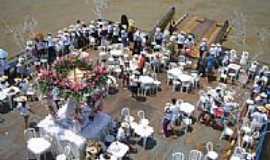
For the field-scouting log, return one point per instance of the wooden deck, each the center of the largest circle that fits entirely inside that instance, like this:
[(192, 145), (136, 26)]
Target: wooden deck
[(213, 30)]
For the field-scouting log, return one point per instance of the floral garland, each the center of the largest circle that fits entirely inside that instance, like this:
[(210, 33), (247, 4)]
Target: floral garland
[(92, 83)]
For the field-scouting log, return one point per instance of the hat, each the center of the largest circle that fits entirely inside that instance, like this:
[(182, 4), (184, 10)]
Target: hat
[(124, 125), (3, 78), (263, 94), (21, 99), (124, 26), (249, 102), (65, 29), (93, 150), (182, 32), (245, 52), (233, 51), (190, 36), (17, 79), (267, 106), (218, 45), (167, 109), (29, 43), (60, 32), (258, 98), (204, 39), (213, 45), (261, 109)]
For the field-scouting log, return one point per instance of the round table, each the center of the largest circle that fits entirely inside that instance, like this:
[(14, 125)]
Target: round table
[(116, 53), (38, 145), (146, 80), (212, 155), (187, 108), (2, 96), (235, 158), (185, 77), (118, 149), (144, 131)]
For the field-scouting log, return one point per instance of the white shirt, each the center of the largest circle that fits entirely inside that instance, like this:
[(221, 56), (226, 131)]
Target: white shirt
[(259, 117), (24, 111), (180, 39), (120, 134), (55, 93), (175, 112)]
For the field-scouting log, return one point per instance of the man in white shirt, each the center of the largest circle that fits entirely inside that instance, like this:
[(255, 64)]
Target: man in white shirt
[(258, 119), (24, 111), (55, 96), (181, 40)]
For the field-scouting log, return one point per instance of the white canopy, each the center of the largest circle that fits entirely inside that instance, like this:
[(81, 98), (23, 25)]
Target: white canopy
[(3, 53)]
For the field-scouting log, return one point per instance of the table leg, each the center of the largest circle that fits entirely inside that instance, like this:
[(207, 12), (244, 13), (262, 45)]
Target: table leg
[(144, 142), (10, 102)]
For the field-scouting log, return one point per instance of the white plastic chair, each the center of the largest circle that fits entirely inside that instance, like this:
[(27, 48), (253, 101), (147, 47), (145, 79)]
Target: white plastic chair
[(35, 144), (209, 146), (182, 61), (142, 119), (187, 122), (176, 83), (227, 131), (125, 114), (211, 154), (66, 155), (147, 88), (169, 78), (30, 133), (195, 155), (186, 86), (178, 156)]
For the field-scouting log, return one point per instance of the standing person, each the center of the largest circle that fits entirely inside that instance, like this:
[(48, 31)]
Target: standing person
[(141, 64), (41, 46), (24, 111), (181, 40), (4, 67), (55, 96), (66, 43), (158, 36), (203, 46), (51, 49), (172, 27), (166, 121)]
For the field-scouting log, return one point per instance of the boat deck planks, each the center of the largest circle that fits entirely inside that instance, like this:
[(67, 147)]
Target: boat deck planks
[(201, 27)]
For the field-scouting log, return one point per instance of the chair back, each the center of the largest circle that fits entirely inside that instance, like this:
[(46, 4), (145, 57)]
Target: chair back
[(209, 146), (67, 151), (195, 155), (125, 112), (178, 156), (141, 114), (182, 58), (30, 133)]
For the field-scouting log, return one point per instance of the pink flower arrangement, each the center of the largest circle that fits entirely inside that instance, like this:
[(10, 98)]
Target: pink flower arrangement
[(62, 66)]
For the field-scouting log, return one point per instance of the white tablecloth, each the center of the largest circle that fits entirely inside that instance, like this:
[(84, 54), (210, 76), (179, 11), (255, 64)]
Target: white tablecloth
[(116, 53), (187, 108), (175, 71), (38, 145), (146, 80), (98, 127), (144, 131), (62, 136), (234, 66), (2, 96), (178, 74), (118, 149), (10, 91)]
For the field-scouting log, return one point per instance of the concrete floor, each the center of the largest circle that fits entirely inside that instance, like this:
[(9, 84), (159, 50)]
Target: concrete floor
[(12, 144)]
